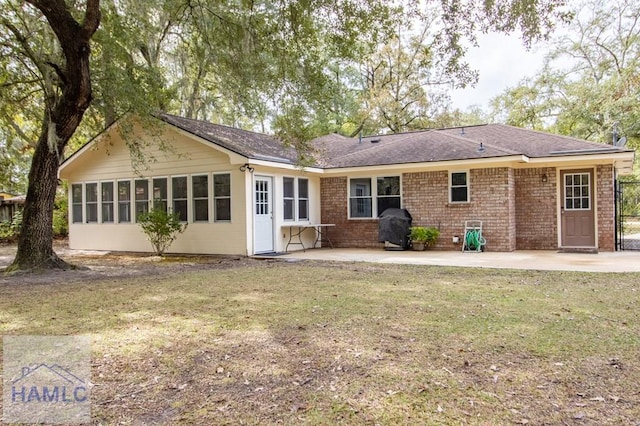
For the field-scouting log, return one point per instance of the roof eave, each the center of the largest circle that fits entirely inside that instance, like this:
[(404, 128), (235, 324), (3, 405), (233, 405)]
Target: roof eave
[(622, 161), (435, 165)]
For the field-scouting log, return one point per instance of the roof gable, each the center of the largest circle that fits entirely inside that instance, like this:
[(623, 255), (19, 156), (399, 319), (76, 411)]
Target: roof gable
[(249, 144)]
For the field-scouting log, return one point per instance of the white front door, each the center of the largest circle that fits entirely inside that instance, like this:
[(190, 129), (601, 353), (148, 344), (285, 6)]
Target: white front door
[(263, 215)]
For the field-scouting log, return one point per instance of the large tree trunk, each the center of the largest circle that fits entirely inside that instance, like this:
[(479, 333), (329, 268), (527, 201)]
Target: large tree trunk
[(35, 245), (63, 115)]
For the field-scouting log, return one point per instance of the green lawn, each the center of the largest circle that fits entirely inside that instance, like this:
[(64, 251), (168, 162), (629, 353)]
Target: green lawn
[(330, 343)]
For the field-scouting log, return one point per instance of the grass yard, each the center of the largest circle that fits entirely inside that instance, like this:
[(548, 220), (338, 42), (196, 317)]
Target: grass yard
[(331, 343)]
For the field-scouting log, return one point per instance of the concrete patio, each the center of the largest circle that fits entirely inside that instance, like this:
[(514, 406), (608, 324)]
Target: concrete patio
[(627, 261)]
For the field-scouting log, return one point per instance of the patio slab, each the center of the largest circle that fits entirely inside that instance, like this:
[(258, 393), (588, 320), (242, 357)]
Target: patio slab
[(627, 261)]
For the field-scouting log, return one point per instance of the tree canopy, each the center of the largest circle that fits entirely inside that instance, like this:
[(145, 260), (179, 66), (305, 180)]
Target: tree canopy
[(591, 82)]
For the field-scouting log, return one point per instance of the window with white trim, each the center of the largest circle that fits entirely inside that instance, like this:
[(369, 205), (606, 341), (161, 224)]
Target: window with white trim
[(222, 197), (76, 203), (288, 198), (142, 196), (91, 201), (179, 195), (200, 190), (107, 201), (577, 191), (303, 199), (160, 195), (388, 190), (459, 187), (362, 202), (295, 198), (124, 201)]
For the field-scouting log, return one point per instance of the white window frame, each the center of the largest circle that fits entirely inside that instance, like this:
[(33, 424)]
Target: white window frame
[(374, 195), (215, 197), (135, 198), (173, 195), (292, 198), (194, 198), (121, 202), (114, 190), (299, 198), (80, 203), (451, 186), (96, 203), (152, 195)]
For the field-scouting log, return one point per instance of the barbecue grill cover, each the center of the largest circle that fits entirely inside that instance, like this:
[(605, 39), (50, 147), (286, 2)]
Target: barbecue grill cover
[(393, 226)]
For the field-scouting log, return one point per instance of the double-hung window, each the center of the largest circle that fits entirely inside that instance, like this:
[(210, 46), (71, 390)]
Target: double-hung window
[(459, 187), (222, 197), (363, 203), (200, 191), (303, 199), (388, 190), (76, 203), (142, 196), (289, 198), (107, 200), (295, 194), (91, 201), (124, 201), (179, 192), (160, 193)]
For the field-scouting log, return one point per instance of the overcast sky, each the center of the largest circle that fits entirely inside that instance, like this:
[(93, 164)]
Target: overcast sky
[(502, 62)]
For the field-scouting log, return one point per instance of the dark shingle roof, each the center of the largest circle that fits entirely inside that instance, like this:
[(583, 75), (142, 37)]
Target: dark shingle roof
[(252, 145), (336, 151), (450, 144)]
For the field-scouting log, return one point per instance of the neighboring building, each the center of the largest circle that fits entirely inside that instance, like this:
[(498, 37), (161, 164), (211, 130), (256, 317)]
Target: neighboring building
[(244, 193), (9, 204)]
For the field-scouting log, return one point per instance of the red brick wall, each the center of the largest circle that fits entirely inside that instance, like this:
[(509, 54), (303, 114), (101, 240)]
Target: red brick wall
[(347, 233), (536, 209), (606, 208), (426, 196), (518, 210)]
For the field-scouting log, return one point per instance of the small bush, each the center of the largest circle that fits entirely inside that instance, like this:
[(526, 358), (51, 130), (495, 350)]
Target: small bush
[(10, 229), (161, 228), (426, 235), (60, 218)]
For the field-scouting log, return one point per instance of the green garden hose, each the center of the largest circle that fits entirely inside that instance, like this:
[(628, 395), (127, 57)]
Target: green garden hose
[(473, 240)]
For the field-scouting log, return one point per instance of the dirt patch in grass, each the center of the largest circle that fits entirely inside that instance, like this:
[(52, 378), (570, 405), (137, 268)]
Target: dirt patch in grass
[(240, 341)]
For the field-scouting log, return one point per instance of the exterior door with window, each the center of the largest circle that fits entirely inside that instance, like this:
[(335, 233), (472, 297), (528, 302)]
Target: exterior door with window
[(577, 211), (263, 215)]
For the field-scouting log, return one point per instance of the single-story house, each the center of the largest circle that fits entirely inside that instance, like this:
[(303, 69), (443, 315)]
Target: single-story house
[(245, 193)]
